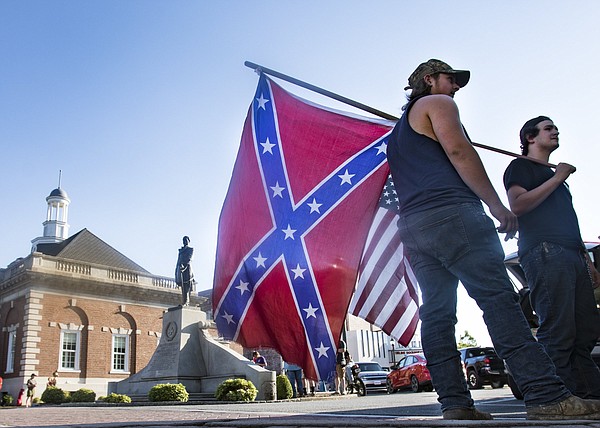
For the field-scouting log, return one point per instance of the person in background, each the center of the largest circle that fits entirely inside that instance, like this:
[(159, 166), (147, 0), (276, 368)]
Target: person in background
[(294, 374), (342, 357), (31, 384), (557, 266), (52, 380), (309, 385), (20, 397), (259, 360)]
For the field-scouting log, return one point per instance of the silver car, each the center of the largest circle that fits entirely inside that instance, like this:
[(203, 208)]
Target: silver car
[(373, 375)]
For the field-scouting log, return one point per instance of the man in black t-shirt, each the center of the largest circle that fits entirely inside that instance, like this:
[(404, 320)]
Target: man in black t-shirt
[(559, 272)]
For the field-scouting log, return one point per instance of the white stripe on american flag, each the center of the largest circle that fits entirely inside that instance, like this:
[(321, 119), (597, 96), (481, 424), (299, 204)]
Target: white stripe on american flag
[(386, 293)]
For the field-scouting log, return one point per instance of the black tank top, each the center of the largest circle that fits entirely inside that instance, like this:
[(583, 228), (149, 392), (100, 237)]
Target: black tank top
[(422, 173)]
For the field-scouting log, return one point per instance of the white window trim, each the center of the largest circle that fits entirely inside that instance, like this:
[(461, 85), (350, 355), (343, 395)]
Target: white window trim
[(11, 351), (77, 350), (112, 354)]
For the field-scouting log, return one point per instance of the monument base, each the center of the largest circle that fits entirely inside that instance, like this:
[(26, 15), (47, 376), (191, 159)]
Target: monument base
[(187, 354)]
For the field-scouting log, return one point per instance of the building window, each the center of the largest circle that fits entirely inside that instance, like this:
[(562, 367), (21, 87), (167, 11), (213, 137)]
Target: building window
[(12, 349), (69, 350), (120, 353)]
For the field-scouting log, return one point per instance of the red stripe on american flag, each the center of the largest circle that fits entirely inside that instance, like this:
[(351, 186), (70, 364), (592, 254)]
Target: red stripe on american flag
[(369, 271), (386, 293)]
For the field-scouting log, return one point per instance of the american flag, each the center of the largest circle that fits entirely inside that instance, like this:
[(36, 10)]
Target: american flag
[(386, 293), (304, 189)]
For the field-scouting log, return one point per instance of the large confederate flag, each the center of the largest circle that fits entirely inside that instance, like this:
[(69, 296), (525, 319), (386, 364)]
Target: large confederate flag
[(304, 189)]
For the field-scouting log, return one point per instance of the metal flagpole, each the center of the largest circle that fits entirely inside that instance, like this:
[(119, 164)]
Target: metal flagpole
[(260, 69)]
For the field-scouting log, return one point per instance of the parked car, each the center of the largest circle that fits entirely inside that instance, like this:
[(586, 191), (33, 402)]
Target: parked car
[(372, 374), (410, 372), (513, 266), (483, 366)]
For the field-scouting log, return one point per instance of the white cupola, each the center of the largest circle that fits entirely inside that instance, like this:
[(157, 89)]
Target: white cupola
[(56, 228)]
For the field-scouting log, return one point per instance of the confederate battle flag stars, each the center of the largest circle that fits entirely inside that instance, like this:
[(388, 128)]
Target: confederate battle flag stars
[(303, 193)]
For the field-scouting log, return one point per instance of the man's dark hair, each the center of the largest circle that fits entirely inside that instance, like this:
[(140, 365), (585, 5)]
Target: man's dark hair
[(420, 88), (530, 130)]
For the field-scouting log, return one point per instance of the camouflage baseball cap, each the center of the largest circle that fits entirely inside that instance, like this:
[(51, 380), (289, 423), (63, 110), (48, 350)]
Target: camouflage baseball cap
[(434, 66)]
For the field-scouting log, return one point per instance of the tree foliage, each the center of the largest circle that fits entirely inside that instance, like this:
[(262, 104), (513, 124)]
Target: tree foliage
[(466, 340)]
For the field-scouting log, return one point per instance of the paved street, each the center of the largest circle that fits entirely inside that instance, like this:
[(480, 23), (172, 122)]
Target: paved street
[(402, 404), (404, 409)]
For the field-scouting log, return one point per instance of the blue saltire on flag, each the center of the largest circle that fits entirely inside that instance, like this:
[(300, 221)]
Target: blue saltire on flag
[(303, 192)]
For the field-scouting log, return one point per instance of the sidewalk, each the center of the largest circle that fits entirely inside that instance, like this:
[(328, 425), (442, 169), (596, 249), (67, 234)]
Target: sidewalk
[(249, 415), (199, 415)]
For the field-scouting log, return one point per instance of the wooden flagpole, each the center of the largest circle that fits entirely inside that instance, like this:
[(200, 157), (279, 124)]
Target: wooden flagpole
[(260, 69)]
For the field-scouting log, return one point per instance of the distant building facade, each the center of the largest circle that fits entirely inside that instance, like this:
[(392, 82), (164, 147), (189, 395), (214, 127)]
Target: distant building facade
[(367, 342), (77, 306)]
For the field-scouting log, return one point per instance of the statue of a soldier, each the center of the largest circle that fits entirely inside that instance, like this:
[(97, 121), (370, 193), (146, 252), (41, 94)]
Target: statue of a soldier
[(184, 276)]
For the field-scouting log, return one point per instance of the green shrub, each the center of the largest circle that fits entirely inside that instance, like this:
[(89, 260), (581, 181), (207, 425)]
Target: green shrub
[(284, 387), (53, 395), (83, 395), (168, 392), (236, 390), (116, 398), (7, 399)]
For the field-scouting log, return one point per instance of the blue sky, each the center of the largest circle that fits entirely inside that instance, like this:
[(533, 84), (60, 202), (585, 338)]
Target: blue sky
[(141, 103)]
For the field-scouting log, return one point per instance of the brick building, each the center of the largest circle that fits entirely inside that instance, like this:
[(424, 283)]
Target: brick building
[(77, 306)]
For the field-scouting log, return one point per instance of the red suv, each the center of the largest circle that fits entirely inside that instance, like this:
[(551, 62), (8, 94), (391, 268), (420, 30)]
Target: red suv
[(410, 372)]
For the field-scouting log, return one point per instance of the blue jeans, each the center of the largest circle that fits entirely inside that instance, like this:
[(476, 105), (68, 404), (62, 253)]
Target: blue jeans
[(295, 377), (459, 242), (563, 298)]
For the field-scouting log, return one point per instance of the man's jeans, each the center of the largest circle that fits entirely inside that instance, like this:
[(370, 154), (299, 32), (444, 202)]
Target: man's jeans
[(295, 378), (459, 242), (563, 298)]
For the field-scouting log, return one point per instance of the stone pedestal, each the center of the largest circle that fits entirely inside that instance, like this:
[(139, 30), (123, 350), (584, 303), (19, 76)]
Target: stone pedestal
[(187, 354), (177, 359)]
